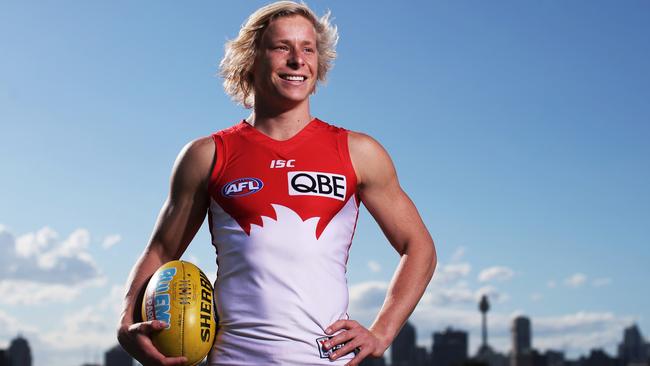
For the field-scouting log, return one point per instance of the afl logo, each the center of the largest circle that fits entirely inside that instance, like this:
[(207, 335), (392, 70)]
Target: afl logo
[(242, 187)]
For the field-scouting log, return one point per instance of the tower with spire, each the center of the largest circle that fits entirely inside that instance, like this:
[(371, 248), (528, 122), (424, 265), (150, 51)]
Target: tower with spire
[(485, 353)]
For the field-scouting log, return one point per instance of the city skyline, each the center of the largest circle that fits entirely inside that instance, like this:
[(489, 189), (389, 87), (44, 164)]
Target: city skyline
[(449, 347), (520, 131)]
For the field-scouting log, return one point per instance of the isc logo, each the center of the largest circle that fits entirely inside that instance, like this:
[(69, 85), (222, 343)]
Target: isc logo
[(283, 163), (317, 184), (242, 187)]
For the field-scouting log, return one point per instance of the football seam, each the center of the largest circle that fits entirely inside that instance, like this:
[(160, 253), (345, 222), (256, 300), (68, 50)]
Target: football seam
[(183, 316)]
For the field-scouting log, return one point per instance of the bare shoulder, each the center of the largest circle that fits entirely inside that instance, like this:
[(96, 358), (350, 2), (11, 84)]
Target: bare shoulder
[(369, 158), (194, 161), (360, 143), (198, 149)]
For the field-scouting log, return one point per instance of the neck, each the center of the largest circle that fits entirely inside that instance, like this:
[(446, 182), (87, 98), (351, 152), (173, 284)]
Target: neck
[(280, 123)]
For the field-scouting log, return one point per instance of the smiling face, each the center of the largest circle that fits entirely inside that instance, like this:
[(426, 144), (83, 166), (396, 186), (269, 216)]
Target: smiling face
[(286, 66)]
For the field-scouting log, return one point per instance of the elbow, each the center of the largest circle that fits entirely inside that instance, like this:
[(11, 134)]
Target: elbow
[(425, 253), (432, 259)]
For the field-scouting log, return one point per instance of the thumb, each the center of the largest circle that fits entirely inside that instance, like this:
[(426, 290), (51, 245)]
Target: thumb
[(148, 327)]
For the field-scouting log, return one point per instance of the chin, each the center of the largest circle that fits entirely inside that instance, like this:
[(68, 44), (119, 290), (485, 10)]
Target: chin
[(295, 97)]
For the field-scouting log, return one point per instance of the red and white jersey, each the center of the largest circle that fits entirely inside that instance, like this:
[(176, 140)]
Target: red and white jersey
[(282, 217)]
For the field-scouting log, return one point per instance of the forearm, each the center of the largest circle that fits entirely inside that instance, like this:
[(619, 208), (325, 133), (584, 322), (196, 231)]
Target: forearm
[(150, 260), (407, 286)]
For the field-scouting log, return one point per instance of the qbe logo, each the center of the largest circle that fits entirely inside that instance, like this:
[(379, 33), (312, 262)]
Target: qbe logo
[(317, 184)]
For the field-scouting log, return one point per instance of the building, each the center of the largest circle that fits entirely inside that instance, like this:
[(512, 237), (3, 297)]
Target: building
[(117, 356), (4, 358), (19, 352), (403, 346), (521, 342), (449, 348), (487, 356), (598, 357), (633, 349), (554, 358), (420, 358), (369, 361)]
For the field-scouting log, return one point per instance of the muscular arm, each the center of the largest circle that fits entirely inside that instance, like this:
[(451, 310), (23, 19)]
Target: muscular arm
[(180, 218), (400, 221)]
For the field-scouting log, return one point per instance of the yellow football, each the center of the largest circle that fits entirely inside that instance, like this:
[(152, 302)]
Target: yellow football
[(180, 294)]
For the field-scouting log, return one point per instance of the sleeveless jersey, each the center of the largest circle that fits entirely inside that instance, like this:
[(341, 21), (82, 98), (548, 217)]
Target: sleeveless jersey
[(282, 216)]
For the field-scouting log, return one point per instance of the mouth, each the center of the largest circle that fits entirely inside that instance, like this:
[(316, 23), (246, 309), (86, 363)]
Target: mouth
[(293, 77)]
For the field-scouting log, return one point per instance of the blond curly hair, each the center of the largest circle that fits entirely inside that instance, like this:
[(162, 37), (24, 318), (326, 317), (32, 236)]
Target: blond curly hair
[(236, 66)]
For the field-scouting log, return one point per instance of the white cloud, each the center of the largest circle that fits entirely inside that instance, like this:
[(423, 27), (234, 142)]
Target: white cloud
[(536, 297), (111, 240), (37, 267), (10, 327), (367, 296), (21, 292), (374, 266), (88, 327), (32, 244), (451, 272), (498, 273), (600, 282), (578, 332), (78, 333), (551, 284), (74, 246), (456, 306), (440, 307), (576, 280)]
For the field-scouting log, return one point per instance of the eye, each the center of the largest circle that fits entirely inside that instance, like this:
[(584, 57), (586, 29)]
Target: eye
[(309, 50), (281, 47)]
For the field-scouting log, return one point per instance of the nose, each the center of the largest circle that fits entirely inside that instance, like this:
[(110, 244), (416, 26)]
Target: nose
[(295, 60)]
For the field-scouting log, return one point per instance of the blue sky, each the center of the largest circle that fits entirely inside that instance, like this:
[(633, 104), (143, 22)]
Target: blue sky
[(520, 130)]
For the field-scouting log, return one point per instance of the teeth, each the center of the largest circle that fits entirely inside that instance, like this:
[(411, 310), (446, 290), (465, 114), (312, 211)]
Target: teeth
[(293, 78)]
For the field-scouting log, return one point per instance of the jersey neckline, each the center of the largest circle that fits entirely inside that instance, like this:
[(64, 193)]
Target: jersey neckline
[(263, 138)]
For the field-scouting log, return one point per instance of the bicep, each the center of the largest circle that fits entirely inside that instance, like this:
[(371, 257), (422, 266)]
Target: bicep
[(186, 205), (381, 193)]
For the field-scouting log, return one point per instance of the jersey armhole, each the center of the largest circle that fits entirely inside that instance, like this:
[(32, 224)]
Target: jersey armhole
[(344, 151), (218, 162)]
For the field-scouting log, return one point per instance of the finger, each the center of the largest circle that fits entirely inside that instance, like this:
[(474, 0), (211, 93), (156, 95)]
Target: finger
[(154, 357), (147, 327), (342, 337), (348, 348), (172, 361), (148, 352), (341, 324)]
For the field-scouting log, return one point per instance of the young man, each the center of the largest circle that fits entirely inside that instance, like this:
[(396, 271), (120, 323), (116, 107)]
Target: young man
[(282, 191)]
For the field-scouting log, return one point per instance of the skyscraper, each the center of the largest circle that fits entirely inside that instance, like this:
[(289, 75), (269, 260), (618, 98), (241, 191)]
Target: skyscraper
[(633, 349), (19, 352), (449, 348), (403, 347), (117, 356), (521, 342)]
